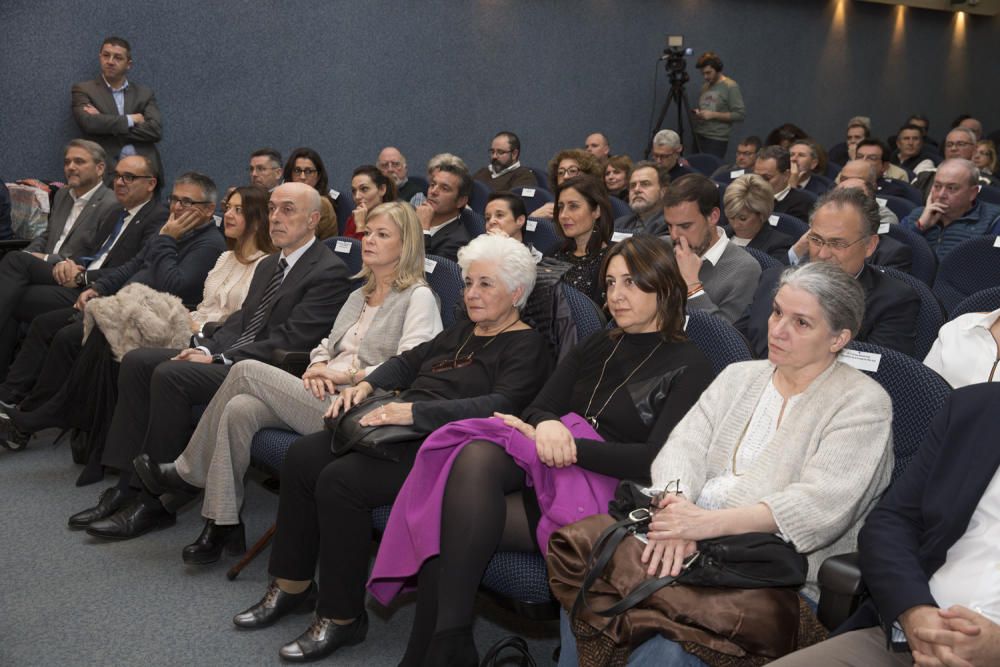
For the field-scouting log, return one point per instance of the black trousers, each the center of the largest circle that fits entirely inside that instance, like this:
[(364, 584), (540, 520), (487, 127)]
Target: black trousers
[(18, 270), (324, 515), (155, 397), (51, 347)]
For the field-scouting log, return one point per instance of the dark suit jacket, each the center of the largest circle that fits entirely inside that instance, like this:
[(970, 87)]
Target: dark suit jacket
[(795, 203), (906, 537), (302, 312), (818, 184), (109, 128), (891, 252), (82, 239), (770, 241), (447, 241), (890, 319), (148, 221)]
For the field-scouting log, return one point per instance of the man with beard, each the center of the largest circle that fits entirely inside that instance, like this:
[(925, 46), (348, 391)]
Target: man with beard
[(504, 172), (646, 187)]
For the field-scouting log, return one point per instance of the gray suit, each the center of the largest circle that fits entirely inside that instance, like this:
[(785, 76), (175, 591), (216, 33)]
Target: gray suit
[(109, 128), (82, 239)]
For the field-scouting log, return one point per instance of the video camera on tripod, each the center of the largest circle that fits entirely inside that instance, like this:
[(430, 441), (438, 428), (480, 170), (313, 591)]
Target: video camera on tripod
[(676, 65), (674, 55)]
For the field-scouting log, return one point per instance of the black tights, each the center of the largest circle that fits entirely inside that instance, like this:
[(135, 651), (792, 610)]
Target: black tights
[(482, 512)]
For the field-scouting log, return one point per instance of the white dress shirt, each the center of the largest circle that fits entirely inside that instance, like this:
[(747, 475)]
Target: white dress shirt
[(965, 351)]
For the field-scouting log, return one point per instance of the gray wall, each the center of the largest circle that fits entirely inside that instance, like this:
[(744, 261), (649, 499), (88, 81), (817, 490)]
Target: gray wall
[(349, 77)]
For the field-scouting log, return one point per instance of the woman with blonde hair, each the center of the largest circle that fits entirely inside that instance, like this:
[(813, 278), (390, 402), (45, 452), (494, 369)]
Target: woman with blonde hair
[(749, 202)]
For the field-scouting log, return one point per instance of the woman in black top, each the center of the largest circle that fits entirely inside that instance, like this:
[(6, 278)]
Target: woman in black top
[(493, 362), (632, 383), (583, 212)]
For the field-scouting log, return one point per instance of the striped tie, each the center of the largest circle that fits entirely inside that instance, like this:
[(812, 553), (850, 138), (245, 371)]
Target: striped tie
[(259, 315)]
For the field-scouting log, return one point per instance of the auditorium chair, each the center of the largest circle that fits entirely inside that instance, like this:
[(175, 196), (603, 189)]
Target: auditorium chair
[(917, 394), (704, 163), (542, 235), (983, 301), (445, 278), (971, 266), (534, 198), (790, 225), (344, 206), (541, 177), (924, 261), (474, 222), (832, 169), (766, 261), (989, 194), (422, 182), (901, 206), (717, 339), (910, 193), (347, 249), (619, 208), (477, 200), (930, 317)]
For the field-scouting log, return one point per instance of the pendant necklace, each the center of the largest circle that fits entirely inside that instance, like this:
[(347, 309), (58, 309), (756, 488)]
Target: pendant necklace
[(586, 413)]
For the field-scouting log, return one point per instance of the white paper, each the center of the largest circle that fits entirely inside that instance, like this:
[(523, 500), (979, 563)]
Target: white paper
[(343, 246), (620, 236), (334, 195), (884, 228), (429, 265), (527, 192), (737, 173), (531, 225), (863, 361), (687, 318), (996, 242), (881, 201), (774, 220)]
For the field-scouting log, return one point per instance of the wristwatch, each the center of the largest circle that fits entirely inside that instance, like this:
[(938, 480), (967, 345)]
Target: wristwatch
[(81, 279)]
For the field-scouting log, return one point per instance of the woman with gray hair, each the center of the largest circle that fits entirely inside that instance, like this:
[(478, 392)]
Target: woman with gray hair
[(494, 362), (748, 203), (799, 445)]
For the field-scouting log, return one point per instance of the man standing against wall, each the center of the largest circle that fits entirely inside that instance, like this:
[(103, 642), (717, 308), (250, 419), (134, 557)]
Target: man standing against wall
[(119, 115), (719, 106)]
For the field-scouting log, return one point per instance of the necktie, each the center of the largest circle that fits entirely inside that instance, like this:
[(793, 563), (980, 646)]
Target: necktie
[(110, 241), (259, 315)]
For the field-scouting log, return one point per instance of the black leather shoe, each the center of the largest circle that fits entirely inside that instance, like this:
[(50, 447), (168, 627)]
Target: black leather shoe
[(213, 539), (275, 604), (159, 478), (323, 638), (136, 518), (10, 437), (110, 502)]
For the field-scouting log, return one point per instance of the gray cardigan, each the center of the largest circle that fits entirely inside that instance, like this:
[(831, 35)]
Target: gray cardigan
[(728, 285), (405, 319), (827, 465)]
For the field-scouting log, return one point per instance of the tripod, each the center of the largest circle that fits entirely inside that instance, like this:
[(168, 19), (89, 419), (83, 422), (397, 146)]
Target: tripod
[(678, 96)]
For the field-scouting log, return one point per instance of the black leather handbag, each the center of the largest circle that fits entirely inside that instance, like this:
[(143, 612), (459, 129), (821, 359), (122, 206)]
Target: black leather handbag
[(348, 435)]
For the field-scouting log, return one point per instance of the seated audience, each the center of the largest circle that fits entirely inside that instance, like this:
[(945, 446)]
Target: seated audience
[(265, 168), (305, 165), (493, 363), (890, 179), (986, 159), (909, 153), (369, 188), (647, 186), (504, 172), (774, 166), (391, 313), (959, 144), (925, 551), (859, 128), (440, 213), (799, 444), (295, 294), (392, 163), (748, 202), (720, 275), (597, 145), (746, 155), (616, 175), (953, 213), (432, 166), (966, 349), (843, 231), (667, 150), (483, 498), (804, 158), (567, 164), (583, 216), (505, 213)]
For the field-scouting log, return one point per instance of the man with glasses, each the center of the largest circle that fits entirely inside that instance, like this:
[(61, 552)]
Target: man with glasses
[(265, 168), (953, 213), (843, 231), (746, 154), (959, 144), (504, 172), (774, 165), (116, 113), (392, 163), (667, 151), (176, 260), (30, 286), (647, 186)]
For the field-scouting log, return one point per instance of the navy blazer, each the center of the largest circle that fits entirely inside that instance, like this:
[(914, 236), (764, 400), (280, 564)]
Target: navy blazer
[(907, 536), (302, 312), (890, 320), (770, 241), (891, 252)]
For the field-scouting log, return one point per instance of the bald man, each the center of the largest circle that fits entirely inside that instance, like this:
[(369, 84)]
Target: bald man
[(293, 299), (597, 145), (889, 252), (392, 163)]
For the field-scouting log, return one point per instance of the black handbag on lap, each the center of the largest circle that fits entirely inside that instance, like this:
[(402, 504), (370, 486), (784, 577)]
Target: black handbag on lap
[(348, 435)]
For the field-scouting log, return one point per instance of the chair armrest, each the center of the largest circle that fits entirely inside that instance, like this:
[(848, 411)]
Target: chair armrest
[(290, 361), (841, 589)]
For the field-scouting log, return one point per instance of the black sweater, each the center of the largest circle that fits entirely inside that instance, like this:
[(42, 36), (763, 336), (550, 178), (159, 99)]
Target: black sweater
[(663, 389)]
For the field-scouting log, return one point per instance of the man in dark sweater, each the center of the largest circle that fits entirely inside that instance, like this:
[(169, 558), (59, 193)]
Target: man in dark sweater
[(504, 172), (774, 166)]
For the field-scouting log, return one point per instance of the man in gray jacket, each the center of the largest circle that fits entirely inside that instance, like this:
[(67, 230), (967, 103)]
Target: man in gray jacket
[(720, 276)]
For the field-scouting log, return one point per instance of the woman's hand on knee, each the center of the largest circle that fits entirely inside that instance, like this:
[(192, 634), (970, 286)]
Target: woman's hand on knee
[(555, 444)]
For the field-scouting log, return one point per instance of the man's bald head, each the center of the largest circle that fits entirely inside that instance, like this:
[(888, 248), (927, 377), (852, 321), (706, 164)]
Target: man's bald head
[(597, 145), (862, 169), (392, 163), (294, 214)]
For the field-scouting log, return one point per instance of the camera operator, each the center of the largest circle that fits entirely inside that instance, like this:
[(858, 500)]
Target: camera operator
[(719, 106)]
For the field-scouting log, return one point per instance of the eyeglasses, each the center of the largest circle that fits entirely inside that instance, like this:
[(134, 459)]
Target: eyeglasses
[(568, 171), (835, 244), (257, 169), (127, 178), (390, 164), (184, 202), (957, 144), (304, 171), (495, 151), (448, 364)]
